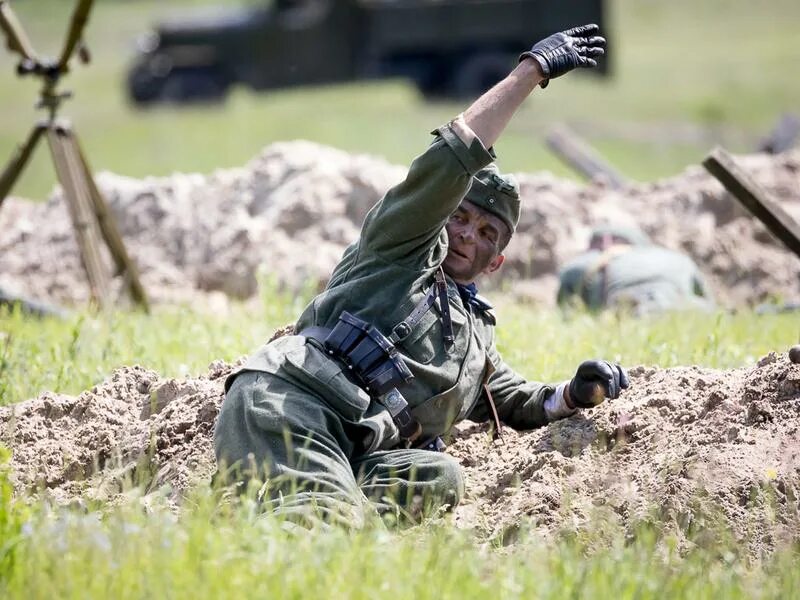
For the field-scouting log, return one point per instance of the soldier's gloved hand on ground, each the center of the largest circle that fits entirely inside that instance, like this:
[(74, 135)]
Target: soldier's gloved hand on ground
[(567, 50), (595, 381)]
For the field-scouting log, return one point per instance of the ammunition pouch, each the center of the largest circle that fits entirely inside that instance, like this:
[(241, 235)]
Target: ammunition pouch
[(375, 365), (372, 359), (368, 353)]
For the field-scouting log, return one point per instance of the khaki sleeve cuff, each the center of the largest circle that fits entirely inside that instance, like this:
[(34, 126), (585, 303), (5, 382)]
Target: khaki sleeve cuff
[(466, 146), (555, 405)]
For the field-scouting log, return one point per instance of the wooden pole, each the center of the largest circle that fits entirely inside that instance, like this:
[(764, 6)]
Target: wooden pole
[(111, 235), (754, 198), (576, 153), (18, 161), (76, 193)]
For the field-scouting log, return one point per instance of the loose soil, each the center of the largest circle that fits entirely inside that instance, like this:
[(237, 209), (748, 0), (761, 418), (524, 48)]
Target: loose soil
[(211, 237), (695, 450)]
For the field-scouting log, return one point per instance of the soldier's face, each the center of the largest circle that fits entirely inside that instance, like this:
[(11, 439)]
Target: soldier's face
[(476, 238)]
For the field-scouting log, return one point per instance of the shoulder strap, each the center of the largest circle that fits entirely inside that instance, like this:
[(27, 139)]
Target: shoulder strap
[(489, 399), (404, 328), (598, 267), (444, 306)]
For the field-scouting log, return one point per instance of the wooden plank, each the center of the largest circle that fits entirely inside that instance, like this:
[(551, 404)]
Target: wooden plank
[(30, 306), (576, 153), (754, 198), (18, 161), (16, 40)]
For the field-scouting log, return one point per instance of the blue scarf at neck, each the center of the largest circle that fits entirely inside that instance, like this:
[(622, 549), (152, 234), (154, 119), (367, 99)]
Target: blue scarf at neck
[(468, 294)]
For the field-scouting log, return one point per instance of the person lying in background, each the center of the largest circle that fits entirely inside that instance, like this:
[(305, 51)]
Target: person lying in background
[(623, 269)]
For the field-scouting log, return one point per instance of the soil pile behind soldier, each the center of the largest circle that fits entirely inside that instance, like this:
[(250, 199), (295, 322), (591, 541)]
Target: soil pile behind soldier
[(196, 237)]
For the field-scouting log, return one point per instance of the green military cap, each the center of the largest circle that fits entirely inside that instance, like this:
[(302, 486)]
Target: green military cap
[(496, 193), (630, 233)]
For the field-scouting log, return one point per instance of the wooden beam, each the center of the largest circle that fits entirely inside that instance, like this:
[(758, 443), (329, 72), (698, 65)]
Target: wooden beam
[(754, 198), (18, 161), (76, 194), (576, 153)]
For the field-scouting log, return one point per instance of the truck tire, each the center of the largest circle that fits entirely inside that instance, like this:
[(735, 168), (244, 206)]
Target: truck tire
[(479, 72), (432, 86), (143, 86), (194, 85)]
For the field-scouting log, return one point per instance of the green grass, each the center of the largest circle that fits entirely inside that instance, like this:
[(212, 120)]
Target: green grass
[(221, 550), (211, 549), (248, 558), (73, 354), (722, 67)]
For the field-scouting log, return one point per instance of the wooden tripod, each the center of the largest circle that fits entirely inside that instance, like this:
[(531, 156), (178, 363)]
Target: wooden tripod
[(88, 210)]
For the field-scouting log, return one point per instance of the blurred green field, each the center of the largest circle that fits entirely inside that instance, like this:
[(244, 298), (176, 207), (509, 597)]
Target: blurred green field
[(687, 75)]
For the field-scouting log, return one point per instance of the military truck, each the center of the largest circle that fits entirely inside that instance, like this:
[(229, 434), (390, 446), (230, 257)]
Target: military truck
[(455, 48)]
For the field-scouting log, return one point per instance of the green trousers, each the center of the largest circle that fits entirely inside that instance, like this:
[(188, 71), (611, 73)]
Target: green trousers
[(312, 460)]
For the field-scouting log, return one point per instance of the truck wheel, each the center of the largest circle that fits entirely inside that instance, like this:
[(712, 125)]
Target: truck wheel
[(480, 72), (143, 86), (433, 88), (194, 85)]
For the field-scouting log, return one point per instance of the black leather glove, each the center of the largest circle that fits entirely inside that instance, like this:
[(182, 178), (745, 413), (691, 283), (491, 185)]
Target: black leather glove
[(570, 49), (595, 381)]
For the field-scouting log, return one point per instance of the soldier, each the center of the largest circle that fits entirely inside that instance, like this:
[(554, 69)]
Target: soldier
[(623, 269), (348, 414)]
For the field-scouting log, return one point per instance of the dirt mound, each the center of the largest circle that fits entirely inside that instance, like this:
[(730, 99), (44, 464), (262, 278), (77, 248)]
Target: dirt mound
[(692, 212), (695, 445), (195, 233), (134, 427), (687, 447), (192, 235)]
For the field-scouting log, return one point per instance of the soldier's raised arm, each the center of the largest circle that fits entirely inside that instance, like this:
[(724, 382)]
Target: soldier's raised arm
[(552, 57), (409, 218)]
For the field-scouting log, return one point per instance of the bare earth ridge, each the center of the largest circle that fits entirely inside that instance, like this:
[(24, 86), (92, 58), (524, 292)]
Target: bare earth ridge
[(196, 237)]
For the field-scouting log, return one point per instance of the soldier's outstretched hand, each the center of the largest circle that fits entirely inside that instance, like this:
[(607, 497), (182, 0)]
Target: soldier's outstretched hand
[(562, 52), (595, 381)]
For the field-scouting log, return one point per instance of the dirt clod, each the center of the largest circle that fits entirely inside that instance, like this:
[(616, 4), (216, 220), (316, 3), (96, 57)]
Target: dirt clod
[(794, 354)]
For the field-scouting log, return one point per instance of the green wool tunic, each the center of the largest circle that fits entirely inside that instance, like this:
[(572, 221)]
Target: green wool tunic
[(321, 439)]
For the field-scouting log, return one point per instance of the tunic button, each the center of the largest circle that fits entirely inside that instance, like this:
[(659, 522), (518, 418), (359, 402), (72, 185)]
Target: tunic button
[(403, 329), (491, 200)]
